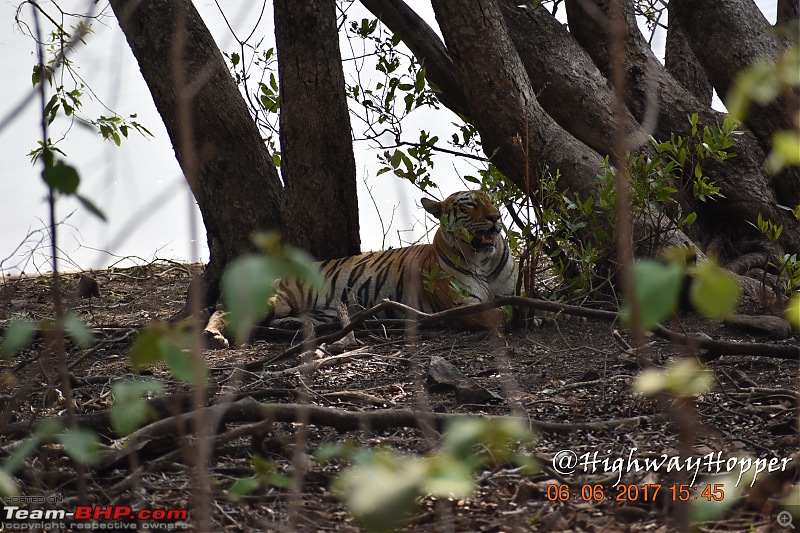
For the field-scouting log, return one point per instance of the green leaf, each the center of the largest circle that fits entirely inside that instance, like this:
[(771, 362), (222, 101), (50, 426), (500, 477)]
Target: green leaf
[(792, 313), (78, 330), (449, 478), (714, 292), (130, 410), (145, 351), (93, 209), (180, 360), (17, 458), (382, 487), (18, 334), (704, 508), (683, 377), (8, 487), (80, 444), (61, 177), (656, 288), (243, 487), (785, 151), (248, 284)]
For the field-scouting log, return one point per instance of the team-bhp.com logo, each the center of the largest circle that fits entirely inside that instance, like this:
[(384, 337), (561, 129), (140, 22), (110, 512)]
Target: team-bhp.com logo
[(97, 512)]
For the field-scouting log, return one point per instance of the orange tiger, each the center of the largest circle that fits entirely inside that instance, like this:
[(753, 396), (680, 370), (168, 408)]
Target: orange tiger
[(468, 262)]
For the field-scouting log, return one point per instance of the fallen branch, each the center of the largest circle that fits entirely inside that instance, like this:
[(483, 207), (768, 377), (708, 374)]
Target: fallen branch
[(159, 437), (714, 347)]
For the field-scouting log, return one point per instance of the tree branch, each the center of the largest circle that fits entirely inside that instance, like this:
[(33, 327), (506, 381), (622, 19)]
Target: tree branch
[(426, 47)]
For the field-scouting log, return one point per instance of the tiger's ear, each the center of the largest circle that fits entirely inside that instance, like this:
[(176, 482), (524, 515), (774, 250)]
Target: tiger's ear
[(432, 206)]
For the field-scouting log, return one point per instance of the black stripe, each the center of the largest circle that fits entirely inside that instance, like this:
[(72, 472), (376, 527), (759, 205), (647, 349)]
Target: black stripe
[(363, 295), (496, 272), (446, 259)]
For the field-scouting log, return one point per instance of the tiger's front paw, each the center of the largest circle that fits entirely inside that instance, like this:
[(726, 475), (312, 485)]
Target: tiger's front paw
[(214, 340)]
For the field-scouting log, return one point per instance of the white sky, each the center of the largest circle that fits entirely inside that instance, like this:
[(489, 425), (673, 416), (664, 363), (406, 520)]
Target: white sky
[(139, 185)]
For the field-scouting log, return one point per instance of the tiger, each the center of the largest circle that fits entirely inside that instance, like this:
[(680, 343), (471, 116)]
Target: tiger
[(469, 261)]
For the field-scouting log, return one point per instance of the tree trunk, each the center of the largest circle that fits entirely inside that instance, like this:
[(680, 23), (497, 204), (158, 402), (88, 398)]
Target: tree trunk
[(317, 162), (503, 104), (566, 82), (682, 64), (214, 136), (788, 12), (651, 90), (727, 36)]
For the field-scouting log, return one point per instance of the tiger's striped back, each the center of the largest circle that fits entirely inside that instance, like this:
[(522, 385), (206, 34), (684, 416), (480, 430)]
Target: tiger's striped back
[(468, 262)]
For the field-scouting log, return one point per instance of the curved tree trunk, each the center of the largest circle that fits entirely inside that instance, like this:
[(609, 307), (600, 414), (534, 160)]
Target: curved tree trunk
[(727, 36), (221, 153), (566, 82), (682, 64), (652, 90), (788, 12), (317, 162), (503, 104)]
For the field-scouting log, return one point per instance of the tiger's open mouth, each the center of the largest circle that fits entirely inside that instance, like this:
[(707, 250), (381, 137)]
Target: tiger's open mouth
[(484, 239)]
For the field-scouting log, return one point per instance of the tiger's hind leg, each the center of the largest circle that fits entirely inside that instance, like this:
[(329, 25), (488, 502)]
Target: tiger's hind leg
[(213, 332)]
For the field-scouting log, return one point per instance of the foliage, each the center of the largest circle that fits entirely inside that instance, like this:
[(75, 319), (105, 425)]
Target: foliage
[(763, 82), (21, 331), (130, 410), (60, 74), (267, 474), (683, 377), (793, 310), (172, 345), (786, 267), (579, 234), (250, 281), (769, 229), (18, 334), (430, 277), (657, 289), (81, 445), (383, 486), (263, 99)]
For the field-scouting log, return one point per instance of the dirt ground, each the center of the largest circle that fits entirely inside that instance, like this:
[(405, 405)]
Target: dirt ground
[(573, 375)]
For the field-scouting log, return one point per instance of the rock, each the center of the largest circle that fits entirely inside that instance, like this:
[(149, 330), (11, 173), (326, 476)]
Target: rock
[(444, 375), (772, 326)]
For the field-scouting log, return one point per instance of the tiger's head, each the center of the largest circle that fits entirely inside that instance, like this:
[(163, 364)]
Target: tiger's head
[(468, 220)]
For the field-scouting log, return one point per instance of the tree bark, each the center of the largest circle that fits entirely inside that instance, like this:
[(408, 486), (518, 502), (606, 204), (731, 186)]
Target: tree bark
[(503, 104), (682, 64), (566, 82), (652, 91), (215, 139), (788, 11), (727, 36), (317, 162)]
